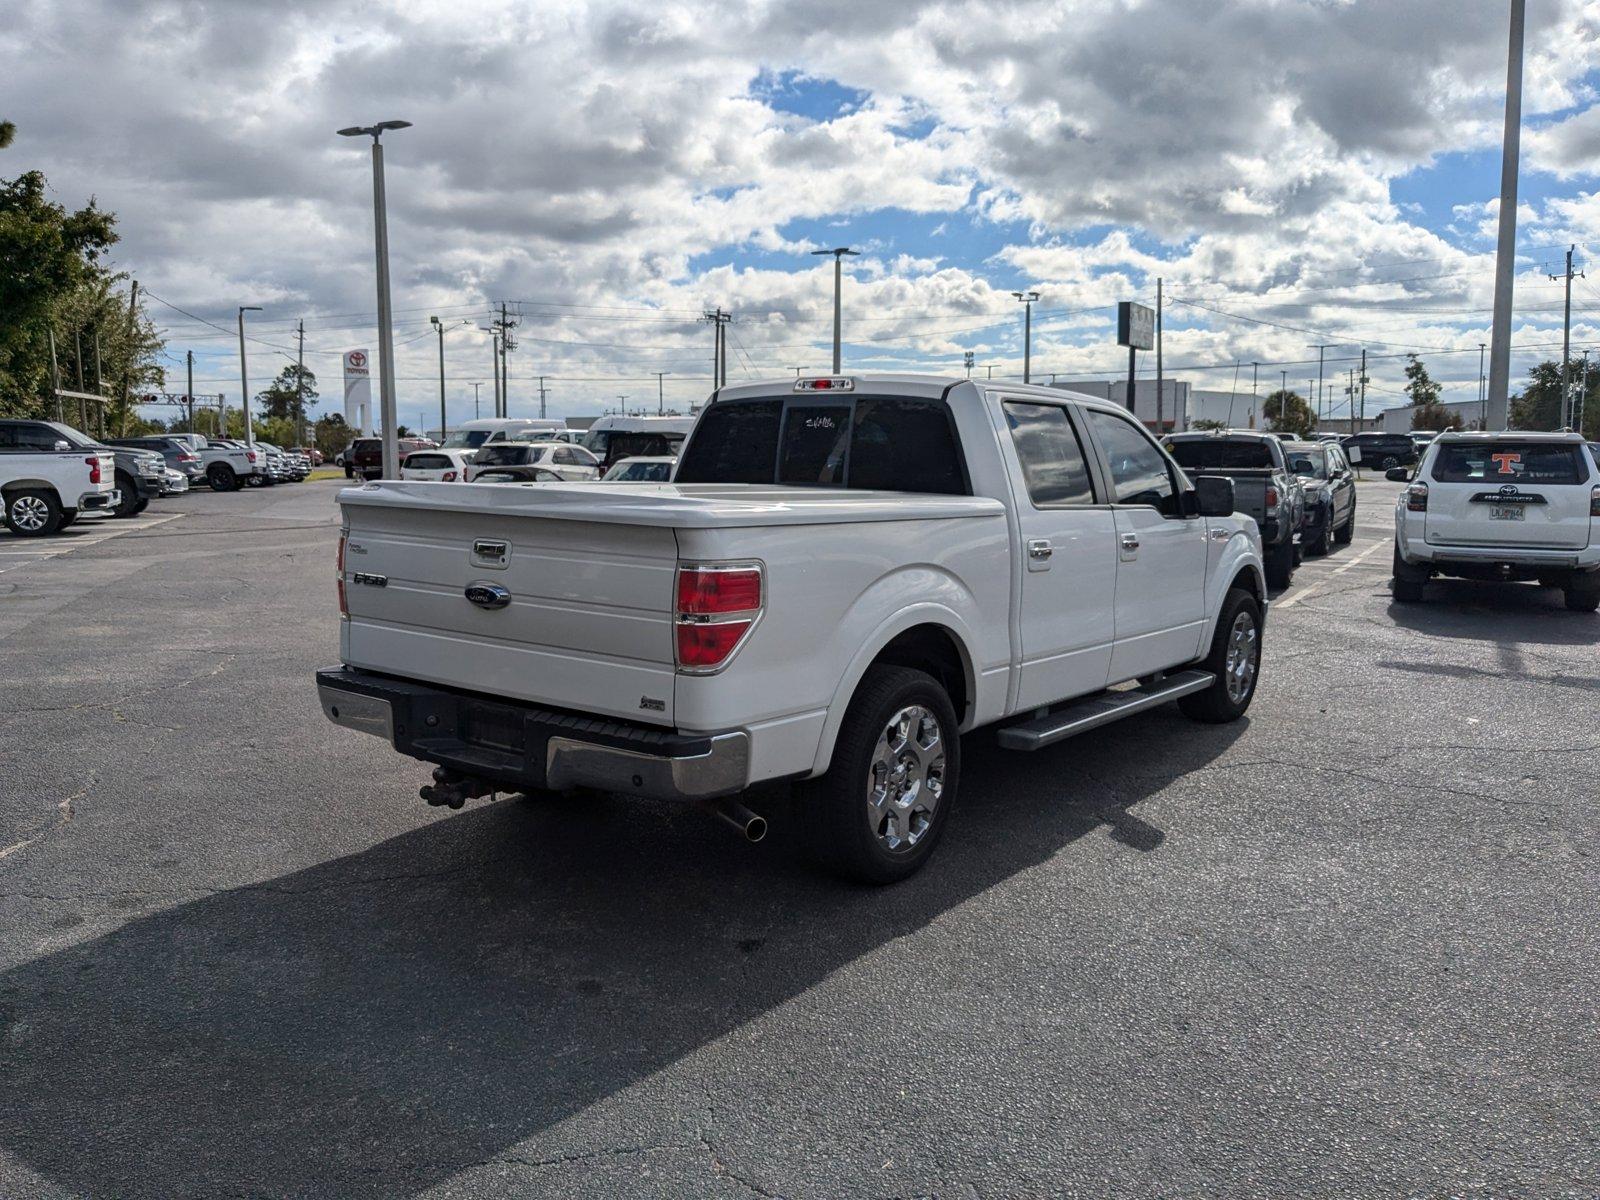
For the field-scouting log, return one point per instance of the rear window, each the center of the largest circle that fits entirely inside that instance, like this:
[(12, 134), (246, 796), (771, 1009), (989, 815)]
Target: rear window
[(1508, 462), (366, 446), (889, 443), (1221, 455), (428, 462), (498, 454)]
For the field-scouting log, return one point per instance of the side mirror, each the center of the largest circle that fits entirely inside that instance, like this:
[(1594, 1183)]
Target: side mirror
[(61, 446), (1213, 496), (1398, 474)]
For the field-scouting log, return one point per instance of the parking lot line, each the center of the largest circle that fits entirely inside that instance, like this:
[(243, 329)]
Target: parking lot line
[(55, 547), (1340, 570)]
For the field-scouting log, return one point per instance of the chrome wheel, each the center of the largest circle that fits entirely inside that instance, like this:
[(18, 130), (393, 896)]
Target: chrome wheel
[(1239, 667), (29, 514), (906, 778)]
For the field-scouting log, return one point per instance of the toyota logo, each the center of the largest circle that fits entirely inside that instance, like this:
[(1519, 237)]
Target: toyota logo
[(488, 595), (1508, 489), (357, 359)]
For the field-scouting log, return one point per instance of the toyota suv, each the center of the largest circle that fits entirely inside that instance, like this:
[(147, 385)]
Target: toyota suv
[(1501, 506)]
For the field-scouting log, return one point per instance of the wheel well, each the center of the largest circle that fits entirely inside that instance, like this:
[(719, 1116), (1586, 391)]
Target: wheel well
[(30, 485), (933, 649), (1246, 581)]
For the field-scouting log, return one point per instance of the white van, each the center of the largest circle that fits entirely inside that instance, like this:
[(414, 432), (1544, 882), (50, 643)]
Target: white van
[(468, 436), (612, 438)]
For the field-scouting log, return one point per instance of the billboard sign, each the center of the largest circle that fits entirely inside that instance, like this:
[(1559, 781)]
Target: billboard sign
[(1136, 326), (358, 390)]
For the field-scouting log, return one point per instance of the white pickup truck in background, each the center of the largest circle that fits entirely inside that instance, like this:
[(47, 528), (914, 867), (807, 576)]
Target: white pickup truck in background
[(846, 575), (46, 484)]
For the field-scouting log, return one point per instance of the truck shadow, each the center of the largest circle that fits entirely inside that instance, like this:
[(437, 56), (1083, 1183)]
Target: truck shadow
[(377, 1023), (1477, 611)]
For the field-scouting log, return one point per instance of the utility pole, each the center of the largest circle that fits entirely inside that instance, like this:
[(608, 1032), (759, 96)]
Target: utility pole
[(475, 388), (244, 387), (1483, 414), (1580, 401), (661, 395), (1160, 373), (189, 357), (1566, 333), (439, 325), (967, 359), (1505, 258), (99, 389), (541, 397), (838, 253), (1321, 350), (55, 375), (1364, 382), (719, 355), (1028, 300), (494, 361), (300, 386), (127, 367), (1255, 396)]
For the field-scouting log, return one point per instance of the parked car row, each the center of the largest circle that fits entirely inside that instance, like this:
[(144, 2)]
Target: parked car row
[(51, 474)]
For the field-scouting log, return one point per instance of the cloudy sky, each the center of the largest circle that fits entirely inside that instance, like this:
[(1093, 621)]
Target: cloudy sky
[(1297, 171)]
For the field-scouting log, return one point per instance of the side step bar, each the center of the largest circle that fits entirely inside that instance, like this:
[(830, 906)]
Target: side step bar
[(1080, 716)]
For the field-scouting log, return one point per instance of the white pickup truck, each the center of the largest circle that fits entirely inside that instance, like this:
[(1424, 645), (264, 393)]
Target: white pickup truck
[(846, 575), (228, 465), (46, 483)]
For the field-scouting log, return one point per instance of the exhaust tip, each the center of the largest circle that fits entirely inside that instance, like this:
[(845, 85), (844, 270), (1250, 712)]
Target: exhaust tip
[(755, 829)]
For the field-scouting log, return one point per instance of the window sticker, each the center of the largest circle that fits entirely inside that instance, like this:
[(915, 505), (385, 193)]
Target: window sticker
[(1509, 462)]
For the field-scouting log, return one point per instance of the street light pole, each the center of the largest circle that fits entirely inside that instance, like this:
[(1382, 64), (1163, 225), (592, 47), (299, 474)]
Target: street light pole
[(386, 397), (1027, 300), (1483, 413), (475, 388), (244, 377), (439, 325), (1505, 257), (661, 395), (838, 253)]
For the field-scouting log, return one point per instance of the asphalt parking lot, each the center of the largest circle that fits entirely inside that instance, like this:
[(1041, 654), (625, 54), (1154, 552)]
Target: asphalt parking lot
[(1346, 947)]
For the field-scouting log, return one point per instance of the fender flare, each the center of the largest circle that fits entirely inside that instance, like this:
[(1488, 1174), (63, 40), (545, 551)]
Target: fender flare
[(938, 615)]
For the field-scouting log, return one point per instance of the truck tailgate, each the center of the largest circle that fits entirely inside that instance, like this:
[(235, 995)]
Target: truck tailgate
[(588, 623)]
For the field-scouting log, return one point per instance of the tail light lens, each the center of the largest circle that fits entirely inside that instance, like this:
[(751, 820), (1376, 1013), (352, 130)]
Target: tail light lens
[(1272, 496), (1594, 502), (449, 477), (94, 467), (344, 604), (250, 454), (717, 605), (1417, 498)]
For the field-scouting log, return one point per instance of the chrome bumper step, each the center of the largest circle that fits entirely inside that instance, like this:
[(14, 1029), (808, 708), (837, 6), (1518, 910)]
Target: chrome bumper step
[(1102, 708)]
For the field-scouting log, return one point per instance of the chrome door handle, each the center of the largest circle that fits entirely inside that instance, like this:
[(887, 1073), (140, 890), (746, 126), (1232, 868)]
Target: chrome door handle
[(1040, 549), (1130, 541)]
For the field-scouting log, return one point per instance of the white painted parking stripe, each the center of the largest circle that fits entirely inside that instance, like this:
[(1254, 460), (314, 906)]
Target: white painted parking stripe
[(1354, 562), (61, 544)]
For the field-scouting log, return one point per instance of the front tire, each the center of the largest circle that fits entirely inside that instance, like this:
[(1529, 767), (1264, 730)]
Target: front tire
[(878, 813), (128, 505), (33, 513), (1346, 533), (1318, 546), (1234, 660)]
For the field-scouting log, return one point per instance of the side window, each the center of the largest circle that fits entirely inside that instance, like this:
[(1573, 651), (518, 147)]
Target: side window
[(1139, 473), (1051, 455)]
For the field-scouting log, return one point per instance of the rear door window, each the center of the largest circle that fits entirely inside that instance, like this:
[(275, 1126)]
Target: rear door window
[(1508, 462), (1052, 458)]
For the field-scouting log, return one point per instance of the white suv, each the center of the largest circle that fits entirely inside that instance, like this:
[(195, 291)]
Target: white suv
[(1501, 506)]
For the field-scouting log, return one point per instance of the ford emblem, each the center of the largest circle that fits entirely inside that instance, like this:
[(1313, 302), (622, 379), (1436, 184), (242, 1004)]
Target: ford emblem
[(488, 595)]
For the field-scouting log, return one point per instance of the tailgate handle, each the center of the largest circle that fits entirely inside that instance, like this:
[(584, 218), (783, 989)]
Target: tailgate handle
[(488, 553)]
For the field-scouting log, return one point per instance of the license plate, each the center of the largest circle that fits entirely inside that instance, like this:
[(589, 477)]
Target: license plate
[(1508, 512)]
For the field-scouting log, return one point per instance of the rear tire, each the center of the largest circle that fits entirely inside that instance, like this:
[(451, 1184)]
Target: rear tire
[(1585, 596), (221, 478), (1280, 566), (32, 512), (1235, 660), (1408, 580), (878, 813)]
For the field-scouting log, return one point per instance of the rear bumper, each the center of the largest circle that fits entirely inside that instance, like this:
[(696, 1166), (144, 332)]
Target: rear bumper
[(1553, 558), (522, 746), (97, 501)]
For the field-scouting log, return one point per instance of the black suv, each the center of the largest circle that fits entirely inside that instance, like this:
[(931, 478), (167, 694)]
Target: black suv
[(1382, 450)]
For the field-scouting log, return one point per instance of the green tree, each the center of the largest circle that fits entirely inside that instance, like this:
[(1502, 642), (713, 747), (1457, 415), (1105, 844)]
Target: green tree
[(281, 397), (46, 254), (1289, 413), (332, 435), (1423, 392), (1539, 405), (1203, 423)]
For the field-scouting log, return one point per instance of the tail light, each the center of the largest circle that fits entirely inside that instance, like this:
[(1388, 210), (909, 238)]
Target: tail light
[(448, 477), (1272, 497), (1594, 502), (344, 604), (250, 454), (717, 606), (1417, 498), (94, 467)]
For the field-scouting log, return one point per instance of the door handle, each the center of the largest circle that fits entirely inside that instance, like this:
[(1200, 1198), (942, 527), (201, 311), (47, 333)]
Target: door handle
[(1040, 549), (1130, 541)]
